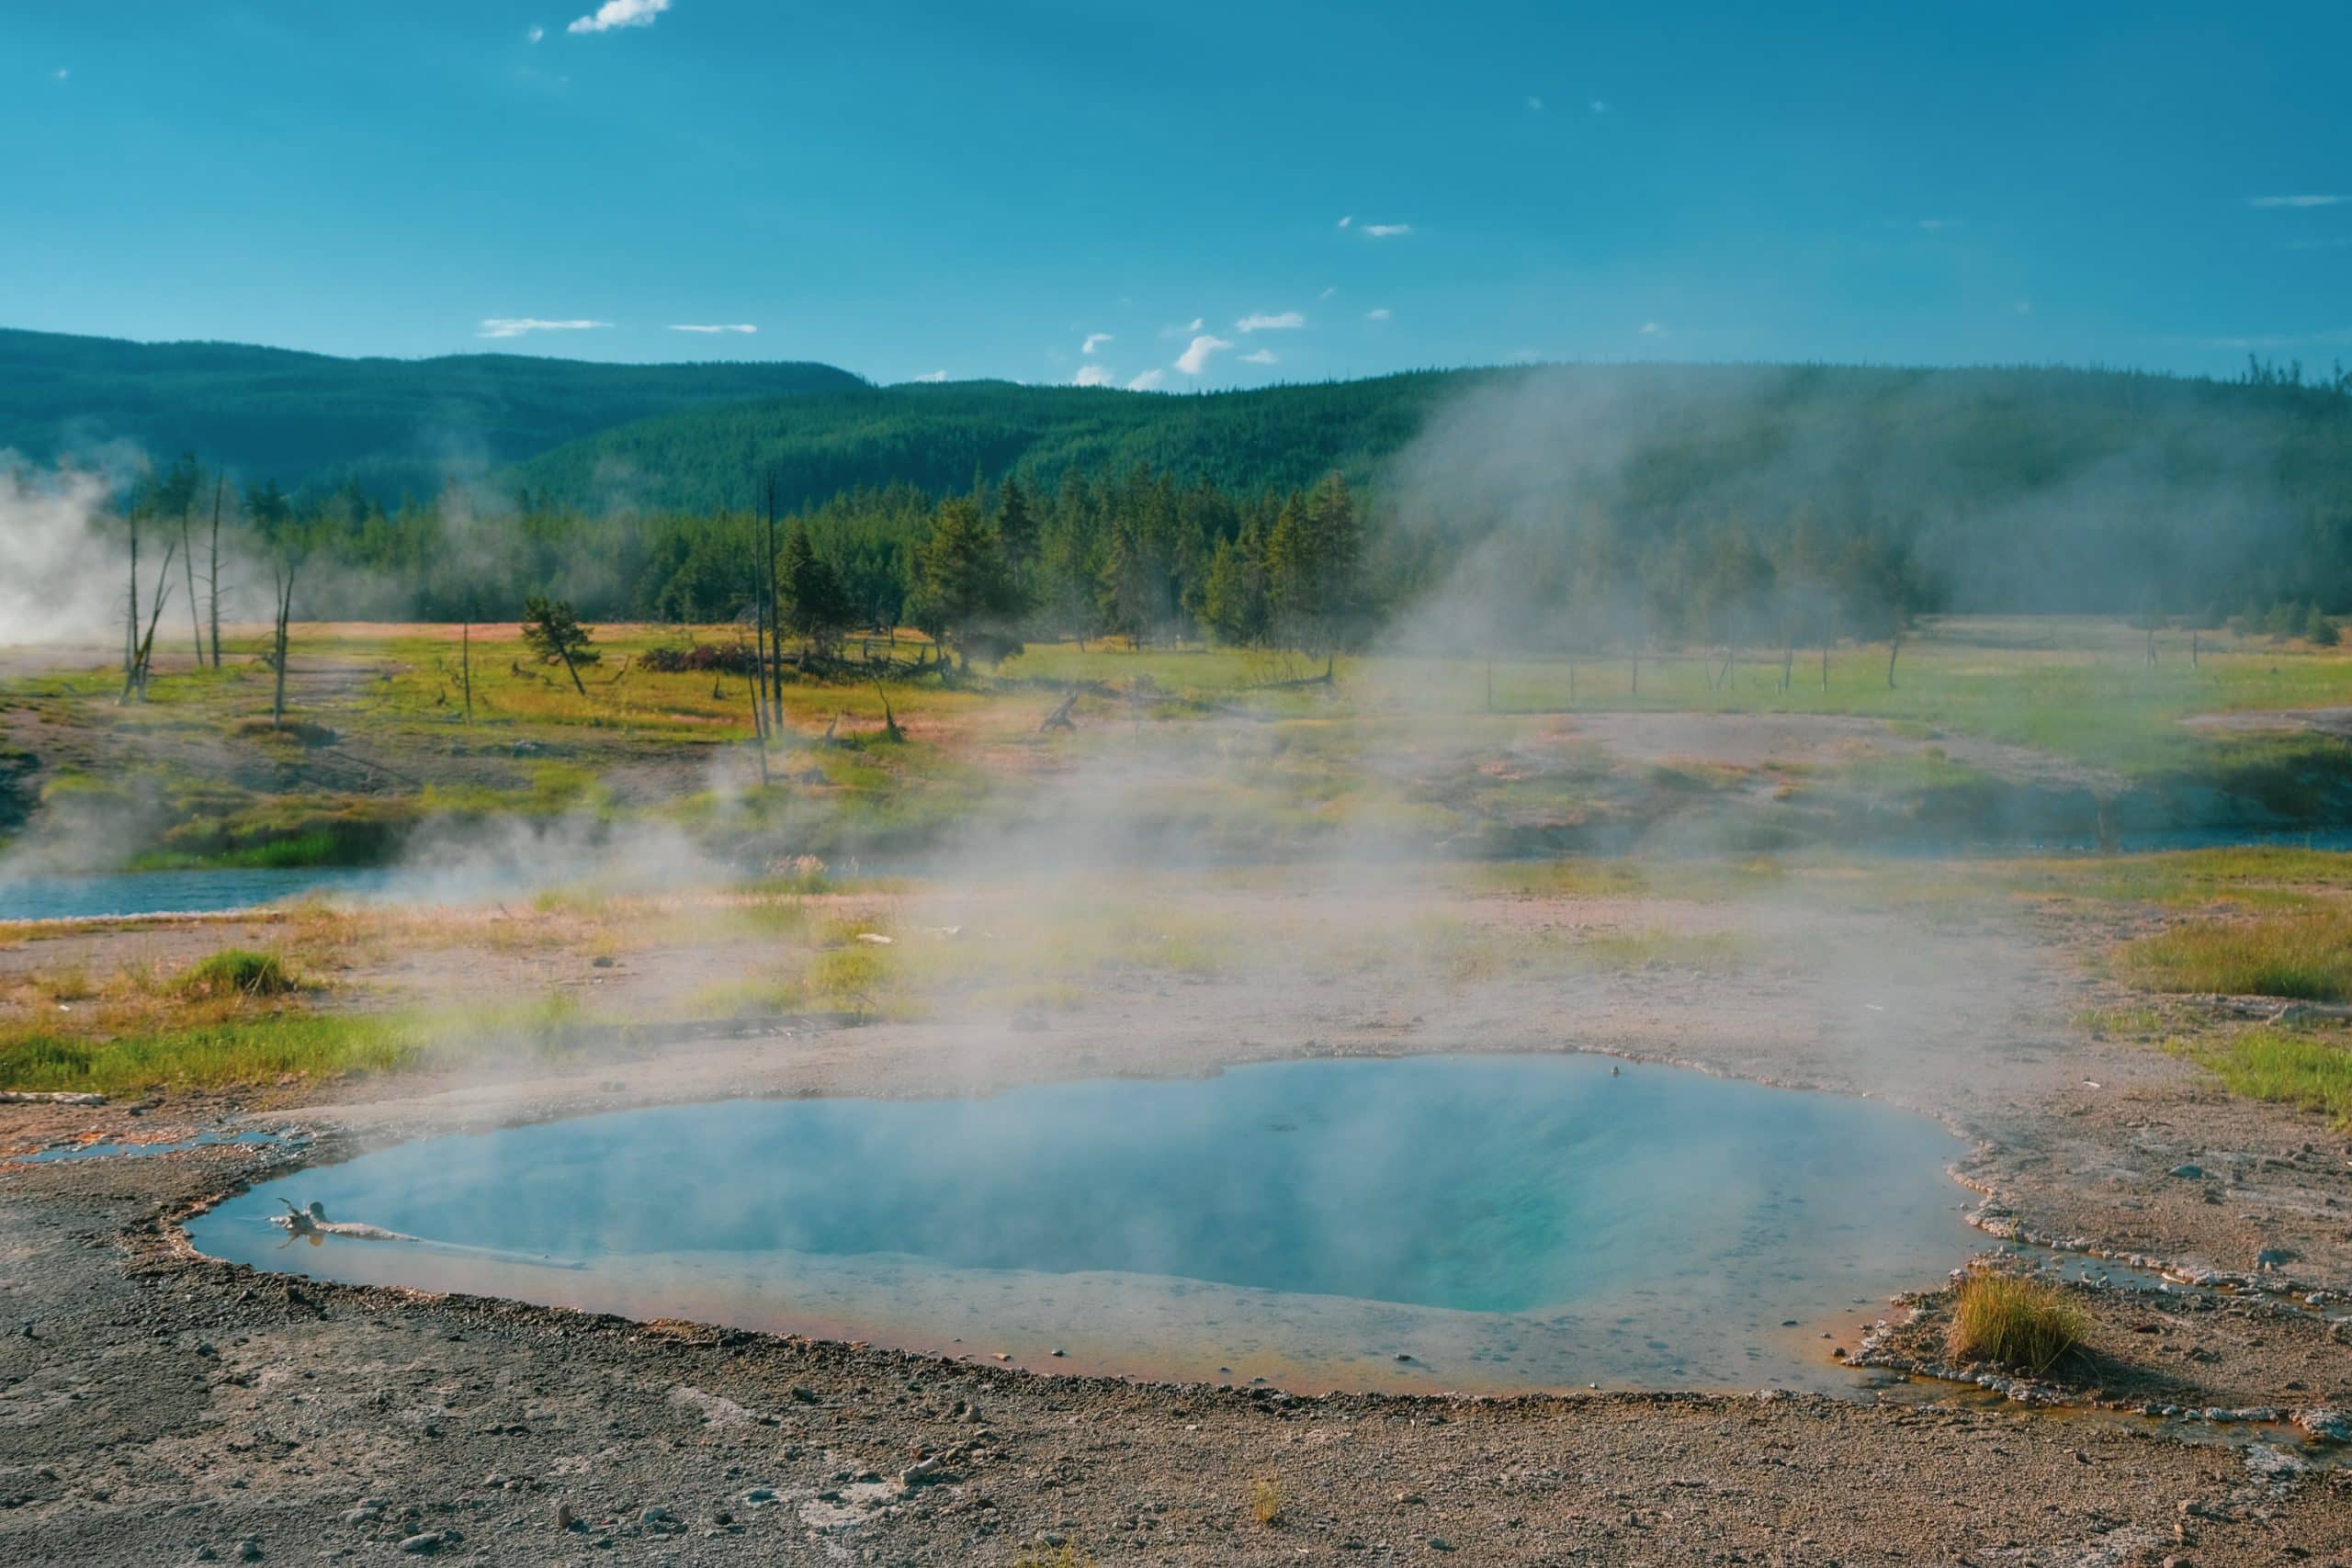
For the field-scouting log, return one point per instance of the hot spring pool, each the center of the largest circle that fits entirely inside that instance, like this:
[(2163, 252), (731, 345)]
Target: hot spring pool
[(1505, 1223)]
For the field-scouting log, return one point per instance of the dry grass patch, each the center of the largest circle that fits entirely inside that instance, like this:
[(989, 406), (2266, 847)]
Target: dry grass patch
[(2019, 1324)]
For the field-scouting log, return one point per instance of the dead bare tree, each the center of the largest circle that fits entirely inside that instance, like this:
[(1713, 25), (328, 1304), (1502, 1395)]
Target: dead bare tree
[(753, 680), (774, 611), (284, 575), (213, 574), (134, 681), (188, 563), (130, 623), (1894, 646), (466, 664), (1060, 718), (890, 731)]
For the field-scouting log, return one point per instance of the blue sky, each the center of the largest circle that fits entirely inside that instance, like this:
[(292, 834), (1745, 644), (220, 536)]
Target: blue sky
[(1209, 194)]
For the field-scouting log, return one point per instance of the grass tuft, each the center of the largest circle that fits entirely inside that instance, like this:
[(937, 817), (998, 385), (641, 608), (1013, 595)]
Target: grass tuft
[(1265, 1501), (2023, 1324), (237, 971)]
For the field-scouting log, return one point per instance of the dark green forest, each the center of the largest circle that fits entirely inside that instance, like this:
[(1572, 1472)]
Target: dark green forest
[(1578, 504), (312, 422)]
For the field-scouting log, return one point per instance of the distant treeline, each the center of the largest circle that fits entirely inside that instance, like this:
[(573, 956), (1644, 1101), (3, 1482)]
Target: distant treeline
[(1575, 506)]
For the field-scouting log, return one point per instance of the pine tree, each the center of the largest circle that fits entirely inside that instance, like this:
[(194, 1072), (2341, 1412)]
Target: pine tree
[(815, 606), (967, 597)]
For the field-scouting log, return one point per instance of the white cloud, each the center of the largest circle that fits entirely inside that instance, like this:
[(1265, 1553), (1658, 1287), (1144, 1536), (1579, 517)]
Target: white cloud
[(1653, 329), (515, 326), (1345, 222), (1289, 320), (1379, 313), (1599, 105), (934, 376), (716, 327), (619, 14), (1388, 230), (62, 73), (1195, 358), (1535, 103), (2297, 200), (1328, 292), (1263, 357), (536, 33), (1147, 382), (1093, 342), (1092, 376)]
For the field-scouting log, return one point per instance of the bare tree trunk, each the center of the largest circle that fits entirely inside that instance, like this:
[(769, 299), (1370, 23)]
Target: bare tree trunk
[(1824, 668), (571, 669), (213, 573), (776, 612), (131, 624), (466, 665), (1787, 666), (187, 564), (135, 682), (285, 578), (1894, 646)]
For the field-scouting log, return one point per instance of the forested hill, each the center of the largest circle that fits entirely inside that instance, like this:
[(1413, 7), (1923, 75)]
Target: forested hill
[(938, 437), (1938, 441), (312, 420)]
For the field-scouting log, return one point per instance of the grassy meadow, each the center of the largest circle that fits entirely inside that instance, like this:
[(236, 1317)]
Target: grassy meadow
[(1238, 758)]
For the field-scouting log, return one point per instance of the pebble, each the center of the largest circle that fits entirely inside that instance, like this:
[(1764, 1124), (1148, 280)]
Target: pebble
[(249, 1549), (422, 1545)]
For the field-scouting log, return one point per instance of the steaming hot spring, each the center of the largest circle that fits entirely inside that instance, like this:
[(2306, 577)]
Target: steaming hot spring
[(1476, 1223)]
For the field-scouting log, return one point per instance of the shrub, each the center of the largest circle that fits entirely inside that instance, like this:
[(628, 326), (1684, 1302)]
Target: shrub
[(2023, 1324), (237, 972), (1265, 1501)]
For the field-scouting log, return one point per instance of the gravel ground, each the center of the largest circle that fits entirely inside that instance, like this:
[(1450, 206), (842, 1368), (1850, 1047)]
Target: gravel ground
[(156, 1408)]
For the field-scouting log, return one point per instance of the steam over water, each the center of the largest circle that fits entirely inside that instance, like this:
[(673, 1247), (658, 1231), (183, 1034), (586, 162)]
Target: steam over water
[(1505, 1223)]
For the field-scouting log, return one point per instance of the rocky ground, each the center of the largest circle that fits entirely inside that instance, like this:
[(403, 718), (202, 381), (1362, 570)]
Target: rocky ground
[(157, 1407)]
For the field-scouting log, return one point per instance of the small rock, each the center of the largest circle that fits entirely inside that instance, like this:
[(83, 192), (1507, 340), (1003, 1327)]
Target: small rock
[(2189, 1172), (759, 1495), (1439, 1543), (422, 1545), (563, 1519), (249, 1549)]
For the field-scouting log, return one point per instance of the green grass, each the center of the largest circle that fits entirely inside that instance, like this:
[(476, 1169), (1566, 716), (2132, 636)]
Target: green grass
[(2303, 954), (237, 971), (2022, 1324), (2250, 875), (243, 1051), (2312, 1071)]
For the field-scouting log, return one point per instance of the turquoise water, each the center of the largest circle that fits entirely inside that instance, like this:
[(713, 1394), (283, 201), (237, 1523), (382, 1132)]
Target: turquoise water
[(1489, 1222), (172, 892)]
